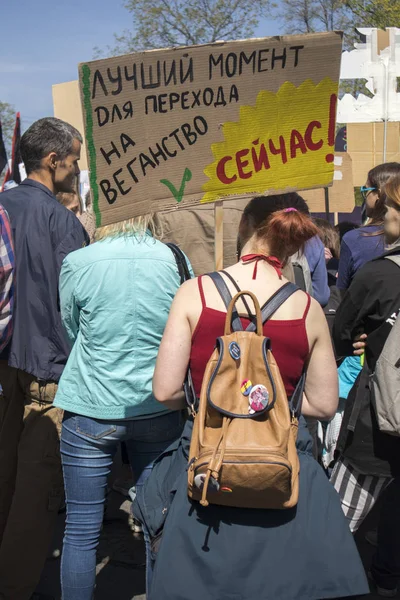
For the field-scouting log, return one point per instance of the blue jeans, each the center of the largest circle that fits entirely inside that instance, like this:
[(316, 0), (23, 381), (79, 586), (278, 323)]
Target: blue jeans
[(87, 450)]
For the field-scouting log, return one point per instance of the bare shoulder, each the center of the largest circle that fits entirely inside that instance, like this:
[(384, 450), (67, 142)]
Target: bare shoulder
[(187, 292), (298, 304), (187, 303), (191, 286), (315, 309), (316, 322)]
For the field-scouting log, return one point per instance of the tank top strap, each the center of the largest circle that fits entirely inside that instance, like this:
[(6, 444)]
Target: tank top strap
[(307, 307), (201, 290)]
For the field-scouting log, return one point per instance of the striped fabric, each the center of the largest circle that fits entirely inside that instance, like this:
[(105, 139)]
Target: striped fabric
[(358, 493), (6, 279)]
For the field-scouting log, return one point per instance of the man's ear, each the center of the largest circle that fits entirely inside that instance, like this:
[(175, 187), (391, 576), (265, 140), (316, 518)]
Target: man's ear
[(50, 161)]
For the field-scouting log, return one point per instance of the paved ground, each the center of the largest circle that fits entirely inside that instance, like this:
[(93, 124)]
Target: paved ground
[(120, 565)]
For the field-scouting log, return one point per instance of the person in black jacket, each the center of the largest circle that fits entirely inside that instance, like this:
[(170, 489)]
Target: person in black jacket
[(369, 459), (31, 483)]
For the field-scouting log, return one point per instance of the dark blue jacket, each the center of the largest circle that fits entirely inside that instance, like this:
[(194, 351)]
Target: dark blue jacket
[(44, 233)]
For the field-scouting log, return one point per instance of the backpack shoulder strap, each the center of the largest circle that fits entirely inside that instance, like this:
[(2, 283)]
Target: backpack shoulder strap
[(296, 400), (276, 300), (246, 305), (221, 286), (226, 296), (181, 263), (229, 276)]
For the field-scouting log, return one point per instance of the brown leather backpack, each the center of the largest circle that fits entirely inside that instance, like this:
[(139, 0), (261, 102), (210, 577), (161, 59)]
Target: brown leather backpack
[(243, 448)]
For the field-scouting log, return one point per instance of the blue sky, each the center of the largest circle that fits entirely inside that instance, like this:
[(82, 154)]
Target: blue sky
[(42, 42)]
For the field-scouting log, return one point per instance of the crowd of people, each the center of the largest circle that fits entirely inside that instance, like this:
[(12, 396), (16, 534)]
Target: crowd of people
[(106, 333)]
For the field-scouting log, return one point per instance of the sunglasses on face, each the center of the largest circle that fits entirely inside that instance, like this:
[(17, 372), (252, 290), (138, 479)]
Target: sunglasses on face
[(365, 191)]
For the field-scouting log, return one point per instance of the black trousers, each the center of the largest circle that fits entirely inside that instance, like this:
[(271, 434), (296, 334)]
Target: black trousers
[(386, 563)]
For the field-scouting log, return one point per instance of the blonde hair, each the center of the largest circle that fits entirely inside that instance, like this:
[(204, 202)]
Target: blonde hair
[(328, 235), (135, 226), (391, 190), (66, 197)]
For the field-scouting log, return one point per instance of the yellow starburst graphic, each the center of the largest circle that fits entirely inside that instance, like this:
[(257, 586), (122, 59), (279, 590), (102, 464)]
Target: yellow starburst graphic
[(283, 142)]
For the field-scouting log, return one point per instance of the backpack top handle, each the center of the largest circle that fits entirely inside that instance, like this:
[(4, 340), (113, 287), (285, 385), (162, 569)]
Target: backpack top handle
[(228, 321)]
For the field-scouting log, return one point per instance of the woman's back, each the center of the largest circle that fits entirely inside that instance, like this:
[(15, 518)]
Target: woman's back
[(116, 296), (288, 335), (358, 247), (227, 552)]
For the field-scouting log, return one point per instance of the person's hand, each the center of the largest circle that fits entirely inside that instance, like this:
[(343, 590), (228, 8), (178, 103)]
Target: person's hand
[(360, 344), (328, 254)]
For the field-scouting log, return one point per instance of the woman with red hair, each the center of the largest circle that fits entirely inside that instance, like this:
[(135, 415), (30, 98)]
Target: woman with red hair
[(220, 552)]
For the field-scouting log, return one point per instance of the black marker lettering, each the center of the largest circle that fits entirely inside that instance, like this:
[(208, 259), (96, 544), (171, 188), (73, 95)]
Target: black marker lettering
[(98, 77), (296, 56), (214, 63), (106, 155), (247, 60), (117, 79), (109, 192), (152, 83), (231, 64), (189, 72), (102, 119), (126, 141), (262, 60), (171, 75), (276, 57), (119, 183)]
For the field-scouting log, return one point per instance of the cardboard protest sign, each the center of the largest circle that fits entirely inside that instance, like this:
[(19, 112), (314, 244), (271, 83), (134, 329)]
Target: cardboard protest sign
[(186, 126), (341, 194), (365, 145)]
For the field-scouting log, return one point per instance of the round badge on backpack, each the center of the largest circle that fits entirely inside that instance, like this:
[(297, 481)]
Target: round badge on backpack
[(246, 387), (234, 350), (258, 398)]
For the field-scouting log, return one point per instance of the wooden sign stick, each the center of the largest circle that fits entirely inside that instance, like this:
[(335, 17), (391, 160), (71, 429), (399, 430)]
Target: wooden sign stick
[(219, 235)]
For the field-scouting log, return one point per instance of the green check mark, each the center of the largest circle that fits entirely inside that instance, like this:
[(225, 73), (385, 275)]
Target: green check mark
[(178, 194)]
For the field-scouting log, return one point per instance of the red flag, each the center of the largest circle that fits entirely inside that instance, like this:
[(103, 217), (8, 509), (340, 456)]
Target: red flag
[(16, 151), (3, 153), (13, 172)]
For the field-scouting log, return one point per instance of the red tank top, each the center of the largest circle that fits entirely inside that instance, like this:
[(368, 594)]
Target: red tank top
[(289, 343)]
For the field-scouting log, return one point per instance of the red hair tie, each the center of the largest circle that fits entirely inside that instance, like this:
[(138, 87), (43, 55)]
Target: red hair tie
[(290, 210), (271, 260)]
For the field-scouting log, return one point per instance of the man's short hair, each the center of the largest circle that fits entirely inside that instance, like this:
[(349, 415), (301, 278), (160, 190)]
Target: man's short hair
[(45, 136)]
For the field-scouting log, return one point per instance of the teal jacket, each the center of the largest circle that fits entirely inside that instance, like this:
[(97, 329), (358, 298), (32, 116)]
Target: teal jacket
[(115, 298)]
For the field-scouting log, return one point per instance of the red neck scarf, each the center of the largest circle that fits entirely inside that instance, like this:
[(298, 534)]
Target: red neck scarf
[(271, 260)]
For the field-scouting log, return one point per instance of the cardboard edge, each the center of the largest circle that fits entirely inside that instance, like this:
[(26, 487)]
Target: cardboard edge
[(220, 43)]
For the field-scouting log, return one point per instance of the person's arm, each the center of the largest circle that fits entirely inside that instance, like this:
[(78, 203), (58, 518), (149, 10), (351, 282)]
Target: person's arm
[(345, 269), (68, 302), (174, 353), (7, 267), (349, 320), (315, 254), (321, 395), (75, 239)]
